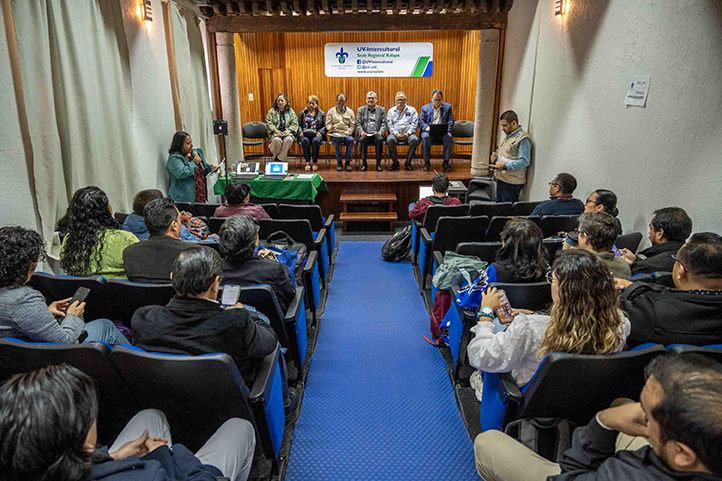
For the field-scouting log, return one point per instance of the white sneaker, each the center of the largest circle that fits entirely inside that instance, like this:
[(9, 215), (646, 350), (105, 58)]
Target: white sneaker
[(477, 383)]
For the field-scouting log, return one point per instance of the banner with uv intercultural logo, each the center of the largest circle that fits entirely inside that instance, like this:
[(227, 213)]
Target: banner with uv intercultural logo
[(379, 59)]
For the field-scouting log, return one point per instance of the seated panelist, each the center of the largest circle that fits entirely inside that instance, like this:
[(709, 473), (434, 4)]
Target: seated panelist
[(312, 131), (435, 113), (402, 121), (371, 127), (282, 126), (340, 125)]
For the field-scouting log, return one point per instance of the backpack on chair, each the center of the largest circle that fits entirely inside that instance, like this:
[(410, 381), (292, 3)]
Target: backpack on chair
[(398, 247)]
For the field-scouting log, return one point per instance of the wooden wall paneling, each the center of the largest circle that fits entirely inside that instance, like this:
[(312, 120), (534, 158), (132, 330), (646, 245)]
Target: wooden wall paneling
[(292, 63)]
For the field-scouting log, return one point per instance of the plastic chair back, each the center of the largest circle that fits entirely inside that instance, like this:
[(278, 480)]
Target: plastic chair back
[(714, 351), (450, 231), (264, 300), (254, 130), (131, 296), (485, 251), (553, 248), (534, 296), (185, 206), (629, 241), (271, 210), (433, 212), (117, 404), (524, 208), (463, 129), (298, 229), (482, 189), (312, 213), (215, 224), (553, 224), (205, 210), (99, 304), (490, 210), (496, 226)]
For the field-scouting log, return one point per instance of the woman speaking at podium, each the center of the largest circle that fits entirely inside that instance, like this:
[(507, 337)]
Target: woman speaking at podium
[(187, 169)]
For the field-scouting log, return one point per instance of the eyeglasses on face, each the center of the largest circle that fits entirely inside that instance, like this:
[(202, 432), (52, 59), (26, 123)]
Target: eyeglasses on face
[(550, 276), (553, 183), (590, 200)]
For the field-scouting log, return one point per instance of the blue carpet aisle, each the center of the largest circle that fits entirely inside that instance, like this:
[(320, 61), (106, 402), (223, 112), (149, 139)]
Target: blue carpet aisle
[(378, 402)]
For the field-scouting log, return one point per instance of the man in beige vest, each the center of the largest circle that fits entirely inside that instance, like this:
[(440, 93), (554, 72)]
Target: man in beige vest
[(514, 156)]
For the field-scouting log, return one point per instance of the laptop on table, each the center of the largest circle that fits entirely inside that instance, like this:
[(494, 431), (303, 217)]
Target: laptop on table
[(247, 170), (276, 170)]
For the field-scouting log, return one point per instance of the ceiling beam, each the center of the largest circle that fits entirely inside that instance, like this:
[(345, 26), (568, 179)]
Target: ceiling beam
[(372, 22)]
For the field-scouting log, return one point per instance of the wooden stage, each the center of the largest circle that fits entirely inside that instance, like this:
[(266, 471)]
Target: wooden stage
[(405, 184)]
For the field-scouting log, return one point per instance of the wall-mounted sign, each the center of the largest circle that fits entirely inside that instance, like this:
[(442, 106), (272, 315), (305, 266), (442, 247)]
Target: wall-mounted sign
[(379, 59), (638, 91)]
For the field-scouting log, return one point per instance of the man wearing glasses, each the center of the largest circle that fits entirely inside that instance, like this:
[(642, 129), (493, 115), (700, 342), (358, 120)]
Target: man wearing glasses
[(561, 199), (371, 126), (403, 121)]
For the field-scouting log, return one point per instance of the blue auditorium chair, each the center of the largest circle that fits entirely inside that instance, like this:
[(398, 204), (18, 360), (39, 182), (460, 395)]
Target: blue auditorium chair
[(290, 328), (117, 403), (449, 232), (199, 393), (524, 208), (568, 386), (314, 215), (131, 296), (99, 302), (477, 208), (433, 212), (629, 241), (497, 224), (713, 350), (551, 225), (300, 231)]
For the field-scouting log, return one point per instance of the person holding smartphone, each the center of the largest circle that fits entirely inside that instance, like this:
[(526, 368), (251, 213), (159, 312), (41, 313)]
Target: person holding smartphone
[(24, 313)]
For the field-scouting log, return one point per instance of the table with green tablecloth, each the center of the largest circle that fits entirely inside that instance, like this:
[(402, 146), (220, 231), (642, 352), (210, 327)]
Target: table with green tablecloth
[(293, 188)]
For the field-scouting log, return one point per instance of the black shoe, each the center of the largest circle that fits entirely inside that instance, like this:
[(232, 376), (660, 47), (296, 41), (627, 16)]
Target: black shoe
[(427, 166), (408, 166), (447, 167), (394, 166), (348, 167), (339, 166)]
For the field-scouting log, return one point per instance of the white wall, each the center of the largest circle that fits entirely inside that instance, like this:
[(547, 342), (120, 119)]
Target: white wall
[(16, 202), (569, 96)]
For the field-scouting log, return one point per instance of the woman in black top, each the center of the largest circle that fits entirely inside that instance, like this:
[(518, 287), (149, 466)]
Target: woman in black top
[(522, 257)]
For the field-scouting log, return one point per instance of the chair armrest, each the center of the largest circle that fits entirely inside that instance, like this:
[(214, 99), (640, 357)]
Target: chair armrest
[(320, 239), (438, 257), (329, 221), (311, 260), (508, 390), (292, 311), (263, 384), (425, 236)]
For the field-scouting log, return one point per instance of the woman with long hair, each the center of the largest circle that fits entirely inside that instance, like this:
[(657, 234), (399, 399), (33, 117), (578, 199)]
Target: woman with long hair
[(282, 126), (584, 319), (94, 243), (187, 169), (603, 200), (522, 257), (312, 131)]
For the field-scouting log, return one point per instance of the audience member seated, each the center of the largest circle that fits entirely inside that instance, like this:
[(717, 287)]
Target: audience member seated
[(135, 222), (24, 313), (597, 233), (241, 267), (522, 257), (603, 200), (668, 230), (49, 431), (195, 323), (440, 186), (238, 198), (152, 261), (584, 319), (561, 200), (673, 433), (689, 314), (95, 243)]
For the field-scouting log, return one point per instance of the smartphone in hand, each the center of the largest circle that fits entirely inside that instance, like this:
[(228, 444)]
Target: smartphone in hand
[(230, 296), (78, 297)]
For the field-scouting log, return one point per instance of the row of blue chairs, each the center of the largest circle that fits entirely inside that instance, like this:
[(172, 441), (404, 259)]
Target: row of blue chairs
[(196, 393)]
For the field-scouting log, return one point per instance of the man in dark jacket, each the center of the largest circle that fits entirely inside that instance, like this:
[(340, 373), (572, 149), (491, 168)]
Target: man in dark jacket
[(195, 323), (440, 186), (239, 239), (561, 200), (49, 431), (671, 434), (689, 314), (668, 230), (152, 260)]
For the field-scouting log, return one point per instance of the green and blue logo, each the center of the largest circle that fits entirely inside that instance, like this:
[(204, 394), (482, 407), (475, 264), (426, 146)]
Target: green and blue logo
[(341, 56), (424, 67)]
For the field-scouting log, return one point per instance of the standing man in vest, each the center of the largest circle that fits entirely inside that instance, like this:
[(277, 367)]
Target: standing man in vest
[(513, 160)]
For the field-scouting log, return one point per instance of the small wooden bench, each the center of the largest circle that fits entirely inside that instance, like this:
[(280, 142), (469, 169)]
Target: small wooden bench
[(388, 216)]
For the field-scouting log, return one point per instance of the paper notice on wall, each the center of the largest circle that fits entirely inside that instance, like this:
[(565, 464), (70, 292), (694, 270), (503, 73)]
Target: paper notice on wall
[(638, 90)]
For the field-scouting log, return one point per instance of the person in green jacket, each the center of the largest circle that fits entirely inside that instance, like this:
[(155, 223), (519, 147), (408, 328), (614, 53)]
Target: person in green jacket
[(187, 168), (282, 125)]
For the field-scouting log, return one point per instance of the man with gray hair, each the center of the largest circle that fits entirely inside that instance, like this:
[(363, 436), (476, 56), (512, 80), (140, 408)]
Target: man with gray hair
[(370, 128), (403, 121)]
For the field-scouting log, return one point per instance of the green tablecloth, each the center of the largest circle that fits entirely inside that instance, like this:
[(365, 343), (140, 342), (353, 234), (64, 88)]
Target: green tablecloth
[(304, 189)]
